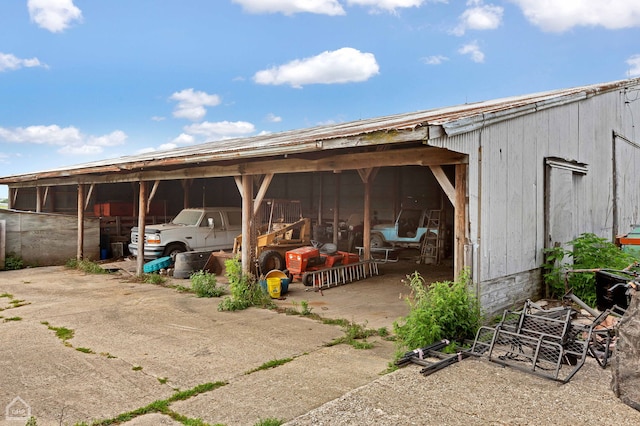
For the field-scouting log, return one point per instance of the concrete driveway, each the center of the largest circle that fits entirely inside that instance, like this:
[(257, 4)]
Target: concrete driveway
[(136, 343)]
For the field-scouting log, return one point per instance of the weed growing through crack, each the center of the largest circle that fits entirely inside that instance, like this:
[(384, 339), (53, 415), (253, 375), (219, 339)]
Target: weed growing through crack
[(354, 334), (245, 290), (7, 295), (163, 380), (85, 350), (270, 364), (162, 406), (62, 333), (12, 319), (136, 368), (107, 355), (204, 285)]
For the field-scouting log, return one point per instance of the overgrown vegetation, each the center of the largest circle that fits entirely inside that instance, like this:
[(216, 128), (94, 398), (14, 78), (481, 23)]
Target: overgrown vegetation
[(270, 422), (441, 310), (204, 284), (13, 262), (85, 265), (245, 290), (588, 251)]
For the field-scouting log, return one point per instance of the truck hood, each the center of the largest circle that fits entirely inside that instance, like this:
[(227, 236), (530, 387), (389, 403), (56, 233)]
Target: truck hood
[(152, 229)]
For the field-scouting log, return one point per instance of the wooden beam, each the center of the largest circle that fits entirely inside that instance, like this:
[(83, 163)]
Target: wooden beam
[(264, 186), (336, 208), (80, 209), (460, 220), (422, 156), (46, 196), (142, 221), (247, 213), (152, 194), (186, 185), (86, 202), (38, 199), (445, 183)]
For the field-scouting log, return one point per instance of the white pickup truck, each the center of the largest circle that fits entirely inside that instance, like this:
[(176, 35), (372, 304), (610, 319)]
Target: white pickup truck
[(209, 228)]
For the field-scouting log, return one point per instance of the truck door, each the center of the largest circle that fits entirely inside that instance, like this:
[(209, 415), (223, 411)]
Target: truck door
[(211, 233)]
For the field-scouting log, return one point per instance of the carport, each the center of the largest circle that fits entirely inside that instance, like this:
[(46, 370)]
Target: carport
[(365, 146)]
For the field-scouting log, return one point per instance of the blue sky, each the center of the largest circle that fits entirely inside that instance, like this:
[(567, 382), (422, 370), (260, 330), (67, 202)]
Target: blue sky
[(83, 80)]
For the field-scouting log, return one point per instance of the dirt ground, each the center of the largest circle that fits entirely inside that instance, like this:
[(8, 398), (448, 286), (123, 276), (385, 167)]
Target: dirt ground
[(136, 343)]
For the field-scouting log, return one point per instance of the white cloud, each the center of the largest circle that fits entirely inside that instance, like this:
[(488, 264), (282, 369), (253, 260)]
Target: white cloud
[(184, 139), (272, 118), (9, 62), (290, 7), (54, 15), (479, 17), (69, 139), (220, 130), (339, 66), (191, 105), (634, 64), (473, 50), (559, 16), (386, 5), (157, 118), (434, 60)]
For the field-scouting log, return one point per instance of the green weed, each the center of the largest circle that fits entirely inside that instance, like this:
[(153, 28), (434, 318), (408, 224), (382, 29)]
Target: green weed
[(13, 261), (136, 368), (154, 279), (269, 422), (85, 350), (245, 290), (204, 285), (86, 266), (441, 310), (12, 319), (588, 252)]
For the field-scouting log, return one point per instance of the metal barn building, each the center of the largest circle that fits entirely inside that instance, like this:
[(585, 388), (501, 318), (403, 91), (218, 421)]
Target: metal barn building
[(516, 175)]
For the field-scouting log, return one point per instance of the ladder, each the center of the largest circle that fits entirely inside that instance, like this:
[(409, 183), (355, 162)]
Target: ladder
[(340, 275), (430, 249)]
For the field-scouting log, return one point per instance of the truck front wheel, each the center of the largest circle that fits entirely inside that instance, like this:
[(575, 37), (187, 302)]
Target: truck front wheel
[(173, 249)]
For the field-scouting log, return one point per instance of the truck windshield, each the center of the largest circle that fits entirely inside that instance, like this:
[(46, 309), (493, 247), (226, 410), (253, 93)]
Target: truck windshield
[(187, 217)]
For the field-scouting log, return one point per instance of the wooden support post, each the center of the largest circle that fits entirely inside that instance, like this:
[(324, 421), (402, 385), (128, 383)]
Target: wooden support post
[(186, 185), (460, 221), (336, 208), (247, 213), (38, 199), (142, 220), (367, 176), (80, 250)]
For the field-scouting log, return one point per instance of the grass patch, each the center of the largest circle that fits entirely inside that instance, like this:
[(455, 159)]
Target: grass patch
[(107, 355), (136, 368), (270, 364), (85, 350), (87, 266), (154, 279), (269, 422), (163, 380), (12, 319), (62, 333), (7, 295), (354, 334), (182, 289)]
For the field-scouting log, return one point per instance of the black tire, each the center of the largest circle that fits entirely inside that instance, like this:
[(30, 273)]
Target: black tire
[(307, 279), (377, 241), (173, 249), (270, 260)]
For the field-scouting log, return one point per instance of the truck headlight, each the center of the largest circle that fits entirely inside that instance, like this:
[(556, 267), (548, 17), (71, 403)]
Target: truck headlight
[(153, 239)]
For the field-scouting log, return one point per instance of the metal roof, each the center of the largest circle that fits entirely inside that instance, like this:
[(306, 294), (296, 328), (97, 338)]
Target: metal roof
[(415, 126)]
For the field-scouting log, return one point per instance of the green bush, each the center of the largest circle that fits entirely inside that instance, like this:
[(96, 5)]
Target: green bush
[(442, 310), (204, 285), (12, 262), (245, 290), (588, 252)]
